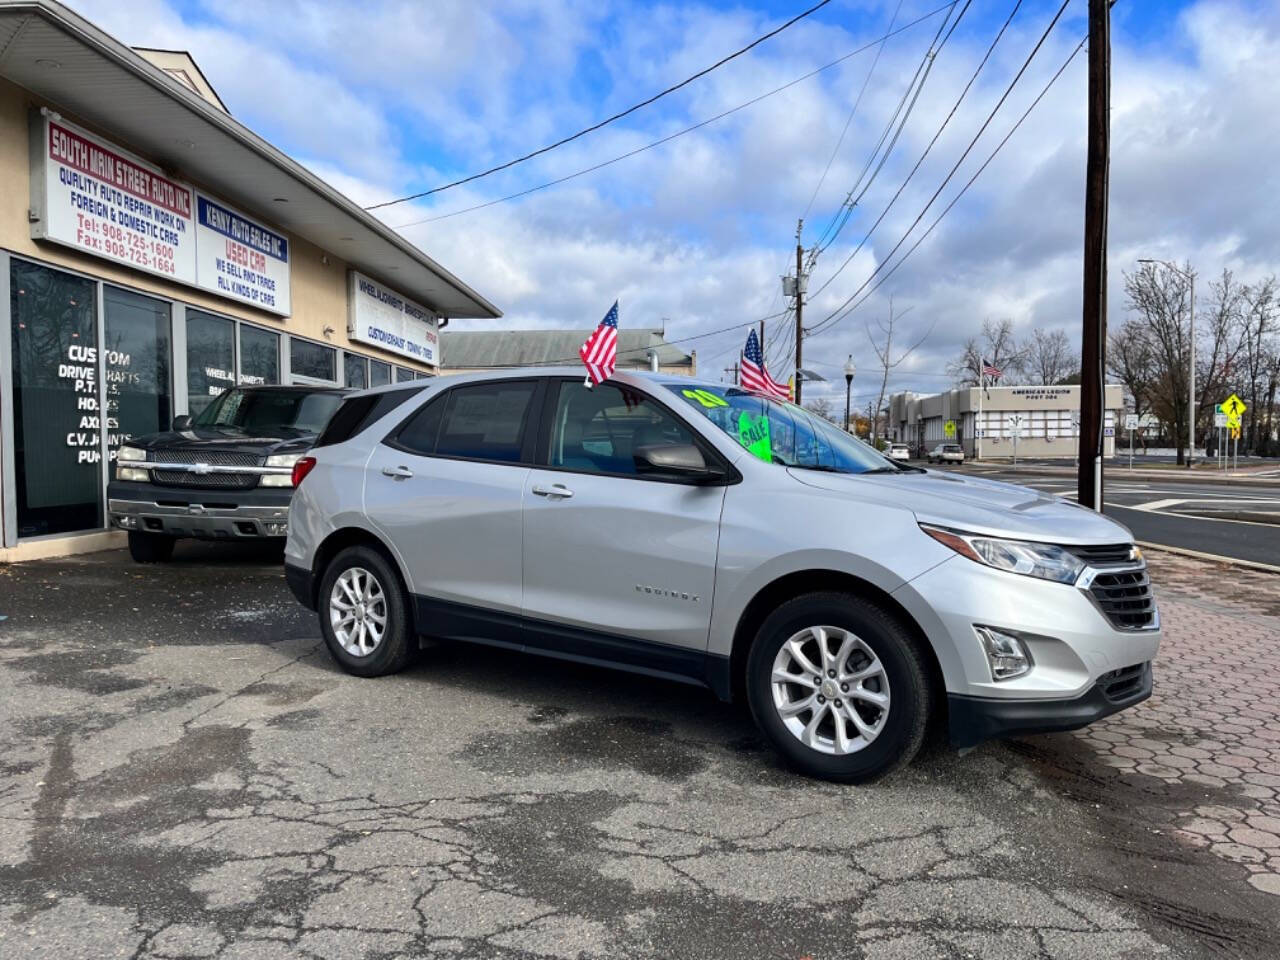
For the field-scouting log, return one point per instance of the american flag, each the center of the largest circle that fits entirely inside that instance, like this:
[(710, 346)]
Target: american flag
[(989, 370), (754, 376), (600, 353)]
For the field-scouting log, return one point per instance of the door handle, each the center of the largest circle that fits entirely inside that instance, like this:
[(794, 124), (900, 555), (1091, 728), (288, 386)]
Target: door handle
[(555, 490), (400, 473)]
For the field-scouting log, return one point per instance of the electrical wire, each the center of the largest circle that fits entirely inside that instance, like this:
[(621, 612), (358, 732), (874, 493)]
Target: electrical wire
[(678, 133), (608, 120)]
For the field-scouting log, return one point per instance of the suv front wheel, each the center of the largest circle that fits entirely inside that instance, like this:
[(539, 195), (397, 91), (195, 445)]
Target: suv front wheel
[(839, 687), (364, 613)]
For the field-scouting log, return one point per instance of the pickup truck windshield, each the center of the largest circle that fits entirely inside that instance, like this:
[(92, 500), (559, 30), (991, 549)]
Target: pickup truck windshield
[(261, 411), (783, 433)]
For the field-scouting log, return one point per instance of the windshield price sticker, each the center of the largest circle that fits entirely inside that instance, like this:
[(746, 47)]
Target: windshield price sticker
[(705, 397), (753, 433)]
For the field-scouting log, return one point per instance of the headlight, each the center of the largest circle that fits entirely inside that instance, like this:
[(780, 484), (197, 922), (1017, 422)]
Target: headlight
[(131, 473), (131, 453), (1043, 560), (280, 479)]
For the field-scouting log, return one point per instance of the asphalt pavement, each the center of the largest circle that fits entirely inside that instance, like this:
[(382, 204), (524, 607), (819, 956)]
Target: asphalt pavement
[(1235, 519), (185, 773)]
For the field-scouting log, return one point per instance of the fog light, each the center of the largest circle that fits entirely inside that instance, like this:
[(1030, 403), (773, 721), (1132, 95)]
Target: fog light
[(276, 528), (131, 473), (128, 523), (1006, 654)]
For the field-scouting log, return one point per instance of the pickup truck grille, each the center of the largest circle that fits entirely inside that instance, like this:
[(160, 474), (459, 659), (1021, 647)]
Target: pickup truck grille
[(207, 481), (216, 457)]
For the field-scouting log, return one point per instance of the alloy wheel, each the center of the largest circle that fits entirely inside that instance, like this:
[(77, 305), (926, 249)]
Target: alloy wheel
[(358, 611), (830, 690)]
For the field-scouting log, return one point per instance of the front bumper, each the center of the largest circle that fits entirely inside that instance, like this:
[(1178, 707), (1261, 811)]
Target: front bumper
[(203, 514), (975, 719)]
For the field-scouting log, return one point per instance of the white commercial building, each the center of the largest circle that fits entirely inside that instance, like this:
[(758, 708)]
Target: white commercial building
[(985, 422)]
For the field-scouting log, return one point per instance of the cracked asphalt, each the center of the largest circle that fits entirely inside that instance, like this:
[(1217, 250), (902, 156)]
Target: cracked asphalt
[(185, 773)]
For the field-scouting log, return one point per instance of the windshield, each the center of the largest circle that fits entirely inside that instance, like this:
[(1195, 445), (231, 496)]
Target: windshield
[(264, 411), (783, 433)]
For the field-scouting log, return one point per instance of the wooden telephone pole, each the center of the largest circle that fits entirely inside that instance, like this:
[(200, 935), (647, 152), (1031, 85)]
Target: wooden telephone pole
[(799, 305), (1094, 340)]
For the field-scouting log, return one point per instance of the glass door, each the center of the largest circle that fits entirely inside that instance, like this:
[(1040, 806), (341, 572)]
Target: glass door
[(135, 363)]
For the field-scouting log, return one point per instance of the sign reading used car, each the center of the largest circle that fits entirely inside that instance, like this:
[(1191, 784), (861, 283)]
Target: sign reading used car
[(239, 258), (381, 317)]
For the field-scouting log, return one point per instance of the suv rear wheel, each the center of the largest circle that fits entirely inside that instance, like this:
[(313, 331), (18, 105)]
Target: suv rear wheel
[(364, 613), (839, 687), (150, 547)]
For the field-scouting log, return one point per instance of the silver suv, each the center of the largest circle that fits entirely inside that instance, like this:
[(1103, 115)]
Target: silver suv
[(696, 532)]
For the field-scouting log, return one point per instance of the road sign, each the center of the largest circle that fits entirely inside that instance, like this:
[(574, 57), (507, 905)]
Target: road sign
[(1233, 421), (1233, 406), (1109, 432), (1075, 418), (1219, 420), (949, 429), (1235, 435), (1131, 421)]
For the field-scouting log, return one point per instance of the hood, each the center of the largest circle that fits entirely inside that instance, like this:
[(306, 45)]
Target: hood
[(977, 504), (226, 440)]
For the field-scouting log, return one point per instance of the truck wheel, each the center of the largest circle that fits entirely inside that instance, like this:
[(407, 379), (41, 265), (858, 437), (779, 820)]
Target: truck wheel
[(839, 687), (364, 613), (150, 547)]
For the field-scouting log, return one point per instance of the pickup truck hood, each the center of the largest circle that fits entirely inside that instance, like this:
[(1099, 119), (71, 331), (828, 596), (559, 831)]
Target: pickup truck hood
[(226, 441), (974, 503)]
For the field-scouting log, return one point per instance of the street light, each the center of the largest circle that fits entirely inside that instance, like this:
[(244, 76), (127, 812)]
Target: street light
[(849, 371), (1191, 392)]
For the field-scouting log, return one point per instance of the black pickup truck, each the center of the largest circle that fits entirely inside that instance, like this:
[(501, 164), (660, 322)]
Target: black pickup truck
[(227, 474)]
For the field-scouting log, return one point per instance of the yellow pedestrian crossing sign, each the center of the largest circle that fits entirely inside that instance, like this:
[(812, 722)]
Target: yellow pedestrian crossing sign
[(1233, 406), (949, 428)]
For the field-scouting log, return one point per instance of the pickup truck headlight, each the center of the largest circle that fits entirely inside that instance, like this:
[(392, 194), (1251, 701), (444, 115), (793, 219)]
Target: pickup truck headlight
[(131, 453), (1043, 560), (280, 479)]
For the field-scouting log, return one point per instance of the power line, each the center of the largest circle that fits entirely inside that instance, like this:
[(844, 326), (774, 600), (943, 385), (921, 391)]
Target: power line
[(957, 197), (981, 130), (678, 133), (608, 120), (956, 106)]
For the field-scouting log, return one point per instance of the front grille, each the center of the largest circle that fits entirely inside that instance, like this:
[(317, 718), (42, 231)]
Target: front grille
[(1120, 685), (1102, 554), (220, 481), (1125, 597), (218, 458)]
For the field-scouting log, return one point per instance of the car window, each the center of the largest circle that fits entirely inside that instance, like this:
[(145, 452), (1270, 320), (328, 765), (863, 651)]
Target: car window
[(598, 430), (419, 433), (357, 413), (485, 421), (264, 411)]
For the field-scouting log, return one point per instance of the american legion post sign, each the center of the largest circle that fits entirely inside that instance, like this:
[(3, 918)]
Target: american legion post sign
[(97, 198), (383, 318)]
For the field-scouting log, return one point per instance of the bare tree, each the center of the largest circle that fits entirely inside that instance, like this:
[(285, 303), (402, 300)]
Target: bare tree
[(1220, 328), (997, 345), (1159, 296), (1049, 357), (1130, 360), (1261, 357), (885, 355)]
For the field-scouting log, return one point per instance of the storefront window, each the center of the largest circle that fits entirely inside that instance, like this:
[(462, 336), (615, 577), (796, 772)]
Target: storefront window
[(312, 360), (353, 368), (379, 373), (211, 358), (57, 452), (259, 356), (403, 374), (135, 359)]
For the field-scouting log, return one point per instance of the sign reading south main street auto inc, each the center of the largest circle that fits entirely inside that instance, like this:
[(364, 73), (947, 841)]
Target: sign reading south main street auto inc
[(93, 196), (97, 198), (239, 258), (383, 318)]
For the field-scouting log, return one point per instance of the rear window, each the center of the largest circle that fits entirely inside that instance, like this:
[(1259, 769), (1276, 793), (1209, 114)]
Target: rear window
[(358, 412), (952, 448)]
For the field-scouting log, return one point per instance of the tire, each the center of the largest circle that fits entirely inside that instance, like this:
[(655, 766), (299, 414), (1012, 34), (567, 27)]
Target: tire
[(889, 735), (150, 547), (370, 579)]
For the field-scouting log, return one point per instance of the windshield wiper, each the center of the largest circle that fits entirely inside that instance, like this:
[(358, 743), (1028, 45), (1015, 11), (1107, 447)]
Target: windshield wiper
[(894, 470)]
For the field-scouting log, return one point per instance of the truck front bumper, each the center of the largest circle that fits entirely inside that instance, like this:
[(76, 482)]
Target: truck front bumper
[(204, 514)]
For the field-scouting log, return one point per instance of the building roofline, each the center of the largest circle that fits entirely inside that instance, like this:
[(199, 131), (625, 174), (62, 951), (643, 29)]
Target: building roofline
[(194, 63)]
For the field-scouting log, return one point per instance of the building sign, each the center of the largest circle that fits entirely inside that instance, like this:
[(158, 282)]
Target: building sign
[(383, 318), (240, 259), (94, 197), (98, 199), (1042, 393)]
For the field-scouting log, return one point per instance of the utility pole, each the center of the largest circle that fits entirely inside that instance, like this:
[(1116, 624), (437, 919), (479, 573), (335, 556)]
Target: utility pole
[(799, 306), (1094, 339), (734, 371)]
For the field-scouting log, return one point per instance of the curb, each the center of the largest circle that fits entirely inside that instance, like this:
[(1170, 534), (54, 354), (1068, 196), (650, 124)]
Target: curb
[(1241, 516), (1198, 555)]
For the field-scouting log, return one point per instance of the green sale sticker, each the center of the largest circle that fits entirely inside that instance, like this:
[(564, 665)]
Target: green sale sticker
[(753, 433)]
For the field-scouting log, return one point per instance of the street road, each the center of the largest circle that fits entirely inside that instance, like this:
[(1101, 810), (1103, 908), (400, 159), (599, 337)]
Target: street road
[(1214, 516), (185, 773)]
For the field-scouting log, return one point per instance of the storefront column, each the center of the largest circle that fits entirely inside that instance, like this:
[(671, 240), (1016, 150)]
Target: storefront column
[(104, 410), (8, 489), (178, 362)]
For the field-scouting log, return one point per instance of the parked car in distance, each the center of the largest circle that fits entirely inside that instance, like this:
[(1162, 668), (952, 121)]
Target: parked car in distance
[(947, 453), (226, 474), (898, 451), (691, 530)]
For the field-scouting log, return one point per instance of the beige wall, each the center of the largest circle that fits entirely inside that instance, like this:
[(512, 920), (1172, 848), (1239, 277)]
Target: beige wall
[(319, 291)]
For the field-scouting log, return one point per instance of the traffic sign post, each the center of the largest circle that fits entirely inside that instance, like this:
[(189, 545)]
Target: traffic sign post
[(1220, 424), (1131, 424), (1075, 433), (1015, 428), (1234, 409)]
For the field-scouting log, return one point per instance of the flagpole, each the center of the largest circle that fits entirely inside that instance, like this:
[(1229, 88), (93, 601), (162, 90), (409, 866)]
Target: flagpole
[(977, 431)]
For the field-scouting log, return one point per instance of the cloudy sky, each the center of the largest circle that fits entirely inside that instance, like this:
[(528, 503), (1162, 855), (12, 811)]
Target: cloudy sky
[(388, 98)]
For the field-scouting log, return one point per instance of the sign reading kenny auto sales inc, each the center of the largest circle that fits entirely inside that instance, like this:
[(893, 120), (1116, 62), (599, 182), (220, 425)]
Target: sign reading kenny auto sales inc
[(383, 318), (92, 196)]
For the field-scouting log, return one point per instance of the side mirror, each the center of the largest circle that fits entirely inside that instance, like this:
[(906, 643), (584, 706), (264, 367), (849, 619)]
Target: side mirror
[(182, 422), (677, 460)]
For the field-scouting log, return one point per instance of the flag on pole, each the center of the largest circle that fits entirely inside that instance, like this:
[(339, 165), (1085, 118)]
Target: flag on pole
[(990, 370), (754, 376), (600, 353)]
